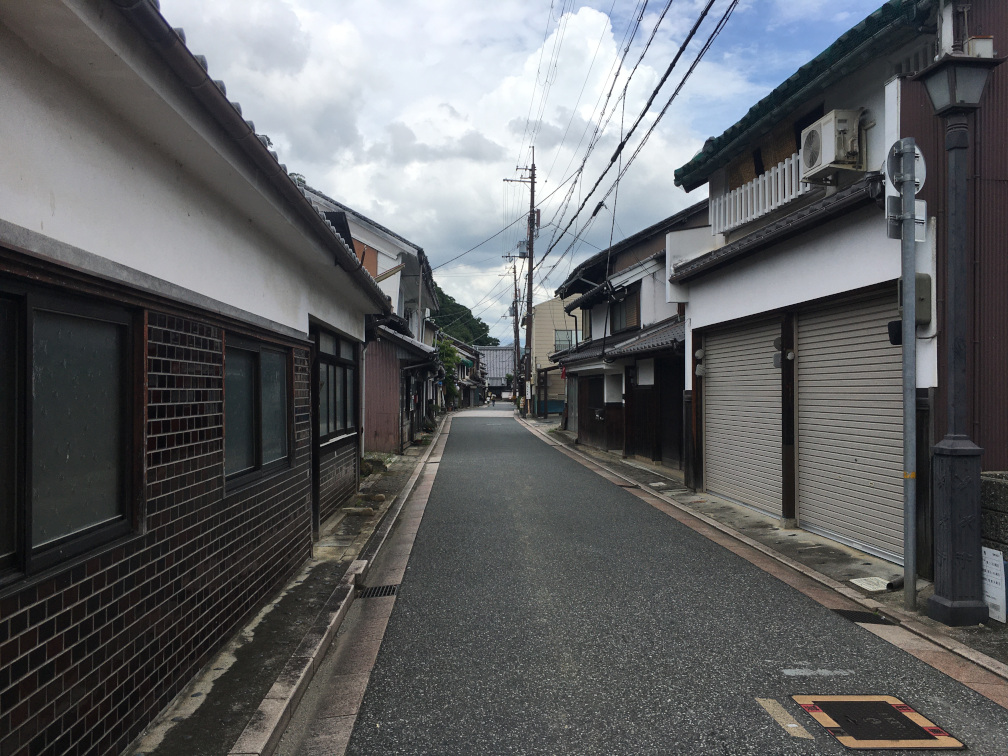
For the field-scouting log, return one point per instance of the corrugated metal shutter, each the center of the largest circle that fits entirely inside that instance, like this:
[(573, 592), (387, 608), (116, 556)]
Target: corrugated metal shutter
[(850, 424), (742, 415)]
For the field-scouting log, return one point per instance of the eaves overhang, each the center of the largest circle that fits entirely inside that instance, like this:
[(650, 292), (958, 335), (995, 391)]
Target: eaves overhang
[(410, 344), (191, 70), (579, 279), (892, 25), (310, 190), (864, 192), (656, 338), (589, 298)]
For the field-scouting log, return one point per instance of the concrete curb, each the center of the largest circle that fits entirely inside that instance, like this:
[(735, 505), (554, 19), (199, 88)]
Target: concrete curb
[(381, 533), (264, 730), (899, 617)]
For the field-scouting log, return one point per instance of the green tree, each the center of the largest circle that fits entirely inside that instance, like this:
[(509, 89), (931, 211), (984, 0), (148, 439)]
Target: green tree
[(449, 357), (458, 322)]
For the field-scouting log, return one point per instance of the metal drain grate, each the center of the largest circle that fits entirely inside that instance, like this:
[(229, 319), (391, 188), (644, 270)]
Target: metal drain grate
[(379, 591), (867, 618)]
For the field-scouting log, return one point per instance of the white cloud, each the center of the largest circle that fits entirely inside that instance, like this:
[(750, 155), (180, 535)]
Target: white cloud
[(414, 113)]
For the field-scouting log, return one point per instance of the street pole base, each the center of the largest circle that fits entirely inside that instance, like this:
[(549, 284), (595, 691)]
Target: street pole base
[(956, 613)]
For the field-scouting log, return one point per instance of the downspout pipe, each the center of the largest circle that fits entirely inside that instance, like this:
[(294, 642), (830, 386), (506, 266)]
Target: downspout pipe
[(146, 18)]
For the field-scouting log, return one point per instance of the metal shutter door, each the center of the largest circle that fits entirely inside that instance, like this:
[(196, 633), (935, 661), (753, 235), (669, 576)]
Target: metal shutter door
[(850, 424), (742, 415)]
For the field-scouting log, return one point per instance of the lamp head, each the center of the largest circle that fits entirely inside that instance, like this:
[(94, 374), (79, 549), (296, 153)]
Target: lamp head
[(955, 82)]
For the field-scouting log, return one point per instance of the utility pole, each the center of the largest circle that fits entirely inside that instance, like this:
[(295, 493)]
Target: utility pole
[(532, 225), (515, 344), (528, 309)]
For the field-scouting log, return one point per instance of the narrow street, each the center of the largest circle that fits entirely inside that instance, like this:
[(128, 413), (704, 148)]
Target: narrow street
[(544, 609)]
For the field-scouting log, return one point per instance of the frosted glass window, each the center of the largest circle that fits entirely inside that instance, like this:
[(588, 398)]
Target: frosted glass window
[(8, 427), (239, 411), (78, 393), (323, 415), (351, 420), (336, 399), (274, 406), (340, 398), (327, 343), (332, 389)]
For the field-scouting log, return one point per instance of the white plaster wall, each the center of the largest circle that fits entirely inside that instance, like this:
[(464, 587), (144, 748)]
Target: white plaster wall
[(654, 306), (76, 172), (599, 320), (614, 388), (846, 254), (681, 246), (377, 239)]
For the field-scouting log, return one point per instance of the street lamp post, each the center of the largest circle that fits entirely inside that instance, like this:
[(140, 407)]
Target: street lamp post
[(955, 83)]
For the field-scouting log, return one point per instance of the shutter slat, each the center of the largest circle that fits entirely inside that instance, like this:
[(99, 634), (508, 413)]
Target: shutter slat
[(849, 438), (742, 415)]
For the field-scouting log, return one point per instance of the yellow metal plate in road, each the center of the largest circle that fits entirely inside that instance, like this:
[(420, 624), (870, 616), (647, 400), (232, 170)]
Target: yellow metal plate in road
[(876, 722)]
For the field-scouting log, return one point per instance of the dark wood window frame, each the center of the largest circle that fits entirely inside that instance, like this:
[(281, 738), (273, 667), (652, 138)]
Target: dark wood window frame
[(260, 469), (326, 358), (620, 317), (563, 342), (28, 301)]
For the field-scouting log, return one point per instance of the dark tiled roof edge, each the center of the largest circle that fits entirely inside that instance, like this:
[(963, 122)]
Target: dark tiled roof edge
[(883, 29)]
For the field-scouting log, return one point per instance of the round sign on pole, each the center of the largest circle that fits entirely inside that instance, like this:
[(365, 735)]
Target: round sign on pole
[(894, 167)]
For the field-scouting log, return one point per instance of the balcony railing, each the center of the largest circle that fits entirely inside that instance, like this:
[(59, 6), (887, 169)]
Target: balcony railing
[(776, 187)]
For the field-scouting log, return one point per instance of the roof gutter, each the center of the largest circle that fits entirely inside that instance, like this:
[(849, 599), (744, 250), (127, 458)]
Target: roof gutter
[(192, 71)]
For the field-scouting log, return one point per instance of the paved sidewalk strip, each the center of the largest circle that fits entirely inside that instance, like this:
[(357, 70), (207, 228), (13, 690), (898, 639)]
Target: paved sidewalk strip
[(263, 732)]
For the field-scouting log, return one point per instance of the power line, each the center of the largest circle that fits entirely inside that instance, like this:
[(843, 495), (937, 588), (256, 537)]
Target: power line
[(710, 40), (598, 46), (528, 118), (644, 111), (604, 118), (520, 218)]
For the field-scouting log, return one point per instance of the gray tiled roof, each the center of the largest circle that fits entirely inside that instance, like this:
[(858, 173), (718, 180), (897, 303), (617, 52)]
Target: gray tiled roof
[(499, 361), (810, 216), (652, 339), (406, 341)]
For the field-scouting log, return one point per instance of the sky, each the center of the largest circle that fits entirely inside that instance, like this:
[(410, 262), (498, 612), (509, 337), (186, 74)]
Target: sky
[(422, 114)]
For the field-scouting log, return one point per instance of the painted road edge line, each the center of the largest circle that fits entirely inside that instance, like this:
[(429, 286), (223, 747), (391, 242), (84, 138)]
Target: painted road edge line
[(785, 720)]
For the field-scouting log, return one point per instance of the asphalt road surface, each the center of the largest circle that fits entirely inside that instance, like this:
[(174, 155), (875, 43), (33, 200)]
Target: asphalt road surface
[(546, 610)]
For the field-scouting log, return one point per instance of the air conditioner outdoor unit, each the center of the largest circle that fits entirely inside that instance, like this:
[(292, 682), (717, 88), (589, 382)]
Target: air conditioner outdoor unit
[(832, 143)]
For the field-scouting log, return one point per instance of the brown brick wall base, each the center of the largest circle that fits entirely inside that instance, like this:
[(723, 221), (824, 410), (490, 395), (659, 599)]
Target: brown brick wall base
[(90, 652)]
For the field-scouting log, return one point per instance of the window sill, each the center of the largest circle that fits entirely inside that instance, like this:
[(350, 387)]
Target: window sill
[(244, 481), (337, 439), (14, 580)]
